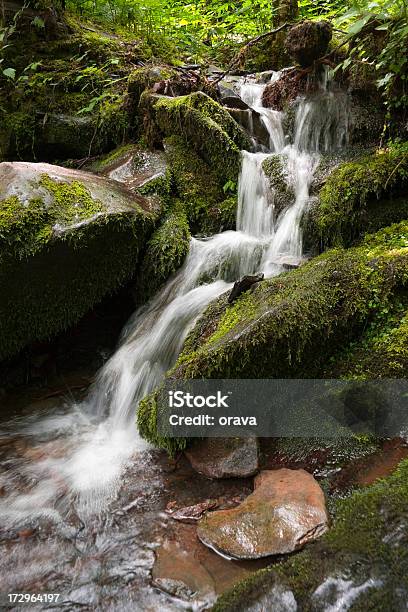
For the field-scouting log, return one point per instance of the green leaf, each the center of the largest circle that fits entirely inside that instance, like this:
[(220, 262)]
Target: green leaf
[(359, 25), (10, 73), (38, 22)]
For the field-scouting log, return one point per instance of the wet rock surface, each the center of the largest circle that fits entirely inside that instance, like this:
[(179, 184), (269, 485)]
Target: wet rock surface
[(190, 514), (285, 511), (132, 166), (224, 457), (252, 122), (290, 85), (25, 181), (192, 572)]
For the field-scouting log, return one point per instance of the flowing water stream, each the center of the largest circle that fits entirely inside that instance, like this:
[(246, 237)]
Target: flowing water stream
[(77, 457)]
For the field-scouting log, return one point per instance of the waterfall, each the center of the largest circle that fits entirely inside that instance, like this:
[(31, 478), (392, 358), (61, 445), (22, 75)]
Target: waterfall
[(104, 425)]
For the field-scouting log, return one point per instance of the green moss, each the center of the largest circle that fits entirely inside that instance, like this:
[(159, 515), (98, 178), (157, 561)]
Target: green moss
[(380, 352), (146, 423), (365, 542), (348, 199), (21, 128), (146, 76), (23, 228), (59, 256), (71, 202), (220, 217), (194, 183), (81, 70), (284, 195), (204, 124), (289, 326), (165, 253), (105, 162), (272, 331), (268, 54)]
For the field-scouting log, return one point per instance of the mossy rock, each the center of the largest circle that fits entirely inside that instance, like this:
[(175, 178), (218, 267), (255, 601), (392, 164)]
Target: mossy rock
[(49, 136), (204, 124), (67, 239), (362, 559), (283, 193), (199, 188), (290, 325), (358, 196), (165, 253), (268, 54)]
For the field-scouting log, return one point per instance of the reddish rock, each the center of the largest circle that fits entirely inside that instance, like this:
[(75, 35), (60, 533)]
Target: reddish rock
[(225, 457), (291, 84), (285, 511)]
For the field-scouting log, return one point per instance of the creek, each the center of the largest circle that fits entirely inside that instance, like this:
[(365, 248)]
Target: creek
[(82, 495)]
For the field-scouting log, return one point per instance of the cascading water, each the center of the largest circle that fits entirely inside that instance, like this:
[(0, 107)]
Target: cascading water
[(98, 438)]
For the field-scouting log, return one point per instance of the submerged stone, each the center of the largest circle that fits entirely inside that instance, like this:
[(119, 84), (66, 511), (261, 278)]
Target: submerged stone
[(224, 457), (67, 238), (286, 511)]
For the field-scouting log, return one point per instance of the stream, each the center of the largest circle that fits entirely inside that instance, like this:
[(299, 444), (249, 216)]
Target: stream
[(82, 496)]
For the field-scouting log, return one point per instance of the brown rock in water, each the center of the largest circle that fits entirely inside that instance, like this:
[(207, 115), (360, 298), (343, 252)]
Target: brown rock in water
[(225, 457), (291, 84), (179, 573), (188, 570), (286, 510), (308, 41)]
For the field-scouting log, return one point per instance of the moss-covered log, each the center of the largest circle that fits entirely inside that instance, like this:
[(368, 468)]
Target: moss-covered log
[(66, 239)]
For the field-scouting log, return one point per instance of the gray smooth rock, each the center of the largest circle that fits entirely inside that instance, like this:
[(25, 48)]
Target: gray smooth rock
[(225, 457)]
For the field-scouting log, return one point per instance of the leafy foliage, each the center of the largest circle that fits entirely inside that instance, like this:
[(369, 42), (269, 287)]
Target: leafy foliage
[(378, 32)]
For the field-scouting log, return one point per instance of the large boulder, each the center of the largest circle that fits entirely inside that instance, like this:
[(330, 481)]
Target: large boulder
[(67, 238), (36, 134), (286, 510), (308, 41)]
